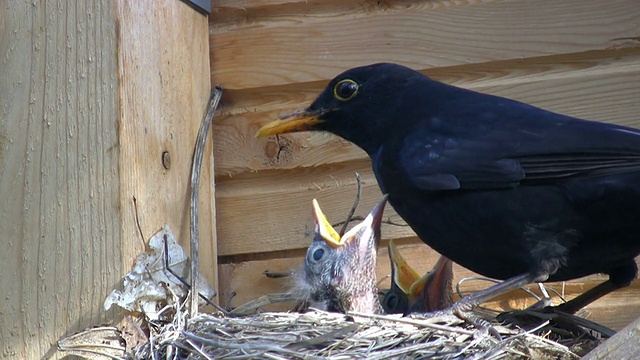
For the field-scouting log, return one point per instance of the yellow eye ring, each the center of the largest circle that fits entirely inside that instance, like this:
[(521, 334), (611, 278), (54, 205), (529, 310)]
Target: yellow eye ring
[(345, 90)]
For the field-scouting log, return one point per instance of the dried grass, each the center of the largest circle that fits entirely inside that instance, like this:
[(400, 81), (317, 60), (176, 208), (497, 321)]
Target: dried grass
[(322, 335)]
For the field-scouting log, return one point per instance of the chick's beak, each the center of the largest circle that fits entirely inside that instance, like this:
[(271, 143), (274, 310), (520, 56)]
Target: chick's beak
[(324, 228), (432, 291), (298, 121), (403, 275), (373, 222)]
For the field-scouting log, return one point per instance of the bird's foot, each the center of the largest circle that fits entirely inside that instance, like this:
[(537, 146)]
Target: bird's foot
[(458, 313), (445, 316), (464, 311), (559, 322), (541, 304)]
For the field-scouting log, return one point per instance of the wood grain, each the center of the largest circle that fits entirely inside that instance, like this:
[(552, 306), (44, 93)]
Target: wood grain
[(623, 345), (59, 180), (318, 46), (277, 215), (469, 75), (596, 85), (247, 281), (163, 96), (229, 15), (92, 93)]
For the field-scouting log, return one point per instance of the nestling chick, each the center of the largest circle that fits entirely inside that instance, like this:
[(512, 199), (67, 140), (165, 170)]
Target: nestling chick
[(411, 293), (339, 273)]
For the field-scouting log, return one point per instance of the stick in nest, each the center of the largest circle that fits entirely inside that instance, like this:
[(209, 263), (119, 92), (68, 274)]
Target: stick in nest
[(214, 100)]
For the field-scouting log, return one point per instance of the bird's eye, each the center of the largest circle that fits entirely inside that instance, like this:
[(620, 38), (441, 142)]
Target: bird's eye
[(317, 255), (345, 90), (391, 301)]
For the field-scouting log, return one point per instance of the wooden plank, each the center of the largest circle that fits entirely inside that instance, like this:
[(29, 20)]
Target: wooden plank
[(228, 15), (275, 210), (247, 282), (87, 110), (570, 84), (163, 95), (469, 75), (423, 35), (59, 162), (623, 345), (284, 197), (247, 4)]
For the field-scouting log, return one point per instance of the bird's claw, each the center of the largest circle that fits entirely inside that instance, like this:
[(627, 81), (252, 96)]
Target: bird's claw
[(440, 316), (558, 319), (464, 311), (461, 312)]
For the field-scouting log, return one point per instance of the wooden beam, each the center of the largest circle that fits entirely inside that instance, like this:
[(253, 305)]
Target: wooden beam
[(92, 94), (308, 43), (59, 179), (162, 57), (623, 345)]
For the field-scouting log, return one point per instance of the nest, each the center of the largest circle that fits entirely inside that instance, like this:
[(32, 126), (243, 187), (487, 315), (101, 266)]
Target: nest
[(316, 334), (321, 335)]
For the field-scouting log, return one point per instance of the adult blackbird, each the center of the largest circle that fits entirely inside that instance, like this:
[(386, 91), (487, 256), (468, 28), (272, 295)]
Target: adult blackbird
[(412, 293), (339, 273), (508, 190)]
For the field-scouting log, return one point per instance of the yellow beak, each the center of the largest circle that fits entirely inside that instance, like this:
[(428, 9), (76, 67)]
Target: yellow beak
[(403, 275), (430, 292), (298, 121), (324, 228)]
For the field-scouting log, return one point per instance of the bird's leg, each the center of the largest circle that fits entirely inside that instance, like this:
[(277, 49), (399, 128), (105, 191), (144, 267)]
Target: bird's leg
[(561, 316), (544, 302), (620, 277), (462, 308), (467, 303), (586, 298)]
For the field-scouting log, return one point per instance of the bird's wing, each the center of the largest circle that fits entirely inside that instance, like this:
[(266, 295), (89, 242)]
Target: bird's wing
[(521, 150), (557, 167), (578, 148)]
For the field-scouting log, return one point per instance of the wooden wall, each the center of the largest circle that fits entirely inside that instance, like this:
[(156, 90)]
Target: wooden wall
[(577, 57), (92, 93)]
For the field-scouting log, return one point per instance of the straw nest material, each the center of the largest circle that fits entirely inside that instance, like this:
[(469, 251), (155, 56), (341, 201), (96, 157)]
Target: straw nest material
[(322, 335), (316, 335)]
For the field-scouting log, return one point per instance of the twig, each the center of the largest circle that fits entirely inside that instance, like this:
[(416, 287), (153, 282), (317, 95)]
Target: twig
[(388, 221), (356, 201), (277, 274), (168, 267), (324, 338), (197, 349), (230, 345), (253, 305), (135, 209), (201, 140), (506, 342), (419, 323)]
